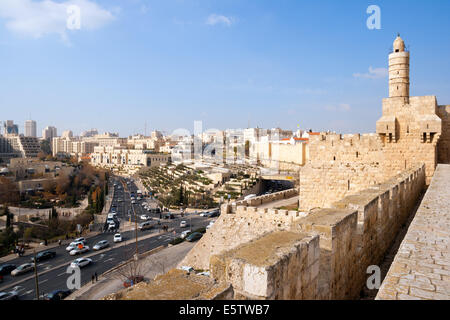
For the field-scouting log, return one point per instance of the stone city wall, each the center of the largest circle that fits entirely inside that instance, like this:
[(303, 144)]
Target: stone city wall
[(242, 249), (421, 267), (444, 142), (280, 265), (240, 223)]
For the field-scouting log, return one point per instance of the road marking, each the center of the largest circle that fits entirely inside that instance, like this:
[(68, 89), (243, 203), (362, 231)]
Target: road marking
[(42, 281), (110, 259), (60, 274), (28, 292)]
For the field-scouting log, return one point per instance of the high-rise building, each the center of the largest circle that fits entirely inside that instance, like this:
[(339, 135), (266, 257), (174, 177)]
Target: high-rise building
[(30, 128), (49, 133), (68, 134), (10, 128)]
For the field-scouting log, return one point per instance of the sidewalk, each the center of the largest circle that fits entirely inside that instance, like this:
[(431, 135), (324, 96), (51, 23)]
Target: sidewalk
[(153, 264)]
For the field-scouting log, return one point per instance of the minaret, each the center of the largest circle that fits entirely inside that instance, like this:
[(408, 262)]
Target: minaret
[(399, 71)]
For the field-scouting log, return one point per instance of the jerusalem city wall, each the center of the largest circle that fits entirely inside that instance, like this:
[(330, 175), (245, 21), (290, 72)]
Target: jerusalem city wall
[(238, 224), (352, 234), (421, 268), (444, 142)]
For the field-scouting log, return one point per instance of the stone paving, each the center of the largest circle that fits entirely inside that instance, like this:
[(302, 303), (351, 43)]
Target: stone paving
[(421, 268)]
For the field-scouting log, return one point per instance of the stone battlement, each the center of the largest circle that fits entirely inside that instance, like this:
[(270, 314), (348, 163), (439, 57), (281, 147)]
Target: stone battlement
[(231, 208), (421, 267)]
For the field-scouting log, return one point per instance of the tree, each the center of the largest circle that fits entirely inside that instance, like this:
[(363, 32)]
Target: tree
[(132, 269), (9, 192), (8, 216), (46, 147)]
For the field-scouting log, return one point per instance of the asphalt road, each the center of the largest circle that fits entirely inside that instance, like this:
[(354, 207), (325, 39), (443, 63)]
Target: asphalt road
[(52, 273)]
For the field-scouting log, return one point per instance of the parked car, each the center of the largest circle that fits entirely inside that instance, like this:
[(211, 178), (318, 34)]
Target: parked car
[(80, 262), (74, 245), (23, 268), (117, 237), (194, 236), (185, 233), (57, 295), (145, 217), (101, 245), (6, 269), (211, 223), (82, 239), (169, 216), (44, 255), (79, 250), (183, 224)]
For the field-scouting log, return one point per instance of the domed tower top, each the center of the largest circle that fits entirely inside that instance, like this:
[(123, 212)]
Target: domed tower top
[(399, 44), (399, 71)]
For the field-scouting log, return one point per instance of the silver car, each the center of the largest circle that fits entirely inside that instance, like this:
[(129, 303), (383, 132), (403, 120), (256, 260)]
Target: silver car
[(101, 245), (24, 268), (80, 262)]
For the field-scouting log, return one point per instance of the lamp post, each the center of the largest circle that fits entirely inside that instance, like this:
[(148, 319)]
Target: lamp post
[(36, 275)]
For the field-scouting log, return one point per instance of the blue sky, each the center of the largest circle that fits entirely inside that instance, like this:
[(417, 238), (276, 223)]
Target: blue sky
[(227, 63)]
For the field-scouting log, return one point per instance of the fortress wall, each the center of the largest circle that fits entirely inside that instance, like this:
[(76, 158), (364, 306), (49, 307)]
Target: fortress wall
[(240, 224), (421, 267), (279, 265), (325, 148), (444, 142), (321, 185), (356, 232)]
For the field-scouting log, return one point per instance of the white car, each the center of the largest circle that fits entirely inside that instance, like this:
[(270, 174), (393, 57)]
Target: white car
[(183, 224), (82, 239), (145, 217), (210, 224), (80, 262), (79, 250), (117, 237), (74, 245), (101, 245), (185, 233)]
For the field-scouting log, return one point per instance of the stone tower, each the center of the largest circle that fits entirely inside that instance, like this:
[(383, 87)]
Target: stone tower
[(399, 71), (409, 128)]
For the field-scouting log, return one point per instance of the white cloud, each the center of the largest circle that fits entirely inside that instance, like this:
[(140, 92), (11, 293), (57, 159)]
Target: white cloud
[(214, 19), (374, 73), (40, 18), (342, 107)]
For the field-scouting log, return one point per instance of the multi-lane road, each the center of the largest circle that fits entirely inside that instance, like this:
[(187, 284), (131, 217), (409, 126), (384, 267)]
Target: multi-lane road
[(52, 273)]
